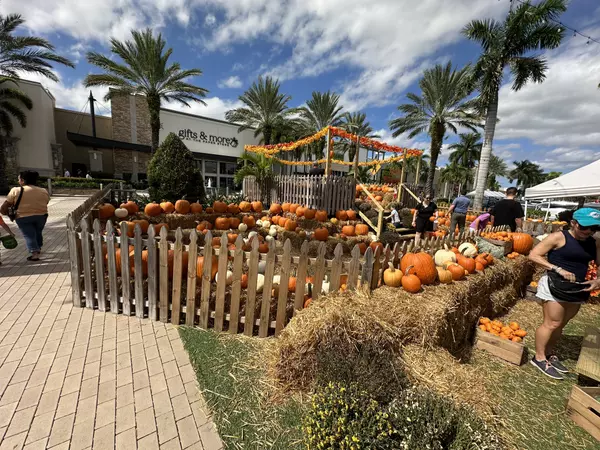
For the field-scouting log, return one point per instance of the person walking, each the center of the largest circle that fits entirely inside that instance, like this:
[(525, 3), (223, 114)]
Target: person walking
[(565, 255), (508, 211), (67, 173), (422, 217), (31, 203), (459, 209)]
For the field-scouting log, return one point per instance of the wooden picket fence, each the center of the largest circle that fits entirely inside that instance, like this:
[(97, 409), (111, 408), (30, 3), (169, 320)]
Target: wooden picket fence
[(329, 193), (78, 213)]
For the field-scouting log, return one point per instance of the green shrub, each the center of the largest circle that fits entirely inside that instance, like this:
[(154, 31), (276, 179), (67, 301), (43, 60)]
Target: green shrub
[(172, 174), (347, 417)]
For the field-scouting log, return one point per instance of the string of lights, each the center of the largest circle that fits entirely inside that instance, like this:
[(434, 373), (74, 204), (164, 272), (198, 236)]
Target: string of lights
[(590, 39)]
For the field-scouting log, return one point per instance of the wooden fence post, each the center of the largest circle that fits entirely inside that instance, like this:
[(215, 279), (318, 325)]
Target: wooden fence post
[(112, 268), (236, 285), (125, 276), (138, 271), (177, 277), (251, 295), (99, 260), (192, 274), (152, 275), (74, 258), (86, 258)]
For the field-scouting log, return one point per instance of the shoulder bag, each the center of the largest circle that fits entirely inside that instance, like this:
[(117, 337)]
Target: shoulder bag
[(12, 209)]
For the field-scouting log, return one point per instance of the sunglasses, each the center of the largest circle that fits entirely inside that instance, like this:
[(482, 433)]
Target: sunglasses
[(594, 228)]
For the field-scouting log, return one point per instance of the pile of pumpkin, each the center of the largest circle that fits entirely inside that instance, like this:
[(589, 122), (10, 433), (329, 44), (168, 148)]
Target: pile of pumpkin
[(511, 332), (447, 265), (378, 191)]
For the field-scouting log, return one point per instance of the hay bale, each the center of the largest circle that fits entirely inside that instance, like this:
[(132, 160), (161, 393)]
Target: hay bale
[(440, 316)]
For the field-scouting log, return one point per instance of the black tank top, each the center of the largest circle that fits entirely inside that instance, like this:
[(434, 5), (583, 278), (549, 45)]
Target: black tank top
[(574, 256)]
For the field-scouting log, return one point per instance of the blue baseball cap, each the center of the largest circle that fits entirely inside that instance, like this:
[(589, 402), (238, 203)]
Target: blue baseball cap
[(587, 217)]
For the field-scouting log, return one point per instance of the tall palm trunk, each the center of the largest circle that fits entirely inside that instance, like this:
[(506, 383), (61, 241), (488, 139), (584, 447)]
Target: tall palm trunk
[(437, 136), (267, 134), (154, 110), (486, 151)]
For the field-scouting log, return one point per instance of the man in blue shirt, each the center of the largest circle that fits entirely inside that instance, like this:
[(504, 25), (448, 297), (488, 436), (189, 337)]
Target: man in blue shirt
[(459, 209)]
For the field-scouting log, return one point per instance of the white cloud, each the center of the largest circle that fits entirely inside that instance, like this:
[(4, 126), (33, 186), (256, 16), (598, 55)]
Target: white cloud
[(565, 159), (96, 20), (216, 107), (230, 82), (210, 20), (385, 41)]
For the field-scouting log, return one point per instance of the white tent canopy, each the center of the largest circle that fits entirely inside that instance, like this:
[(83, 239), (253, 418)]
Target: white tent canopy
[(489, 194), (583, 182)]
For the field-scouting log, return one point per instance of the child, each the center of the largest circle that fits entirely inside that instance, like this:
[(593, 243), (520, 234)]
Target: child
[(394, 216), (6, 228)]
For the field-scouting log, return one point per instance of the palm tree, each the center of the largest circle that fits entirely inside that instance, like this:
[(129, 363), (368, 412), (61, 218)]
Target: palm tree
[(265, 109), (456, 173), (466, 152), (551, 175), (526, 173), (25, 54), (363, 175), (12, 102), (443, 106), (509, 44), (259, 167), (145, 70), (321, 110), (411, 167), (355, 123), (497, 168)]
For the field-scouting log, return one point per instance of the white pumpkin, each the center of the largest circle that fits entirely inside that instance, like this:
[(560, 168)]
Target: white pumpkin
[(252, 234), (467, 249), (260, 282), (266, 224), (259, 223), (443, 255), (262, 266), (269, 238), (273, 231), (228, 278), (242, 227), (121, 213)]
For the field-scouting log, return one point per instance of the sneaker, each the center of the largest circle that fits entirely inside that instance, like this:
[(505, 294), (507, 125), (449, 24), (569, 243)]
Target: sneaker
[(553, 359), (547, 368)]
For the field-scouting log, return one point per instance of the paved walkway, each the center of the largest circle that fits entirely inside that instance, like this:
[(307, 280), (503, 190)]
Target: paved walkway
[(76, 378)]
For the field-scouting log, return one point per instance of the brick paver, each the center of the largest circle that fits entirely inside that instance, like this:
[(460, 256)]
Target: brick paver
[(80, 379)]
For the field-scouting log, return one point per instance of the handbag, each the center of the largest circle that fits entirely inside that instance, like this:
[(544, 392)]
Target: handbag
[(12, 209), (566, 291)]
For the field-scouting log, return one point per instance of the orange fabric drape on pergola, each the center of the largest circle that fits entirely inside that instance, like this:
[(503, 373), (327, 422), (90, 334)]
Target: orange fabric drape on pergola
[(270, 151)]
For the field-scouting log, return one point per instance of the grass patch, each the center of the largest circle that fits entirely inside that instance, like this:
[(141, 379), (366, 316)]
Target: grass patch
[(529, 406), (231, 375)]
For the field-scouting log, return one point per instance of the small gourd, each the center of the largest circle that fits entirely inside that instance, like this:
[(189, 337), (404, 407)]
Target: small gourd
[(467, 249), (273, 231), (445, 276), (411, 282), (259, 223), (242, 227), (228, 277), (392, 277)]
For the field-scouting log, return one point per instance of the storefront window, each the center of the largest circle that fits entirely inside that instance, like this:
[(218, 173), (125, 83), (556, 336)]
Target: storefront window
[(227, 168), (210, 166)]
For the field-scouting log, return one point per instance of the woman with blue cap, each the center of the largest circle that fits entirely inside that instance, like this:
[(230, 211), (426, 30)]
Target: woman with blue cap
[(566, 256)]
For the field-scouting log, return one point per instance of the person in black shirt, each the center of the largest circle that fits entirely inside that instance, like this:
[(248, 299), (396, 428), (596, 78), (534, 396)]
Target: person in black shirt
[(316, 170), (508, 211), (422, 217)]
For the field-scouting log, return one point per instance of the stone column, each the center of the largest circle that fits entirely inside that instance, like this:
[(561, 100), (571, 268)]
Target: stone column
[(57, 159)]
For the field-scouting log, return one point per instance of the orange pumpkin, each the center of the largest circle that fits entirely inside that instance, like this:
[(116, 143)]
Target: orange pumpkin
[(153, 209), (522, 243), (167, 207), (467, 263), (263, 248), (479, 267), (143, 223), (216, 242), (131, 207), (231, 237), (294, 207), (411, 282), (275, 220), (106, 211), (234, 222), (321, 234), (171, 260), (245, 206), (457, 271), (351, 214), (341, 215), (300, 211), (362, 247), (379, 198), (200, 267), (244, 281), (196, 208), (257, 207), (361, 229), (282, 221), (375, 245), (204, 225), (310, 214), (290, 225), (232, 208), (275, 208), (348, 230), (222, 223), (285, 206), (210, 210), (118, 257), (321, 216), (182, 207), (249, 220), (292, 284), (219, 207), (422, 265)]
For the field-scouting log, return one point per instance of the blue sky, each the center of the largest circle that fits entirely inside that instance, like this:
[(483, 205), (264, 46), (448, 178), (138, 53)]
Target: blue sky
[(371, 53)]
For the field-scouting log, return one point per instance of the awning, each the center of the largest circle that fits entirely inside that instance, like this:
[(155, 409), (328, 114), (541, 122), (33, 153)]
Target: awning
[(83, 140), (583, 182), (489, 194)]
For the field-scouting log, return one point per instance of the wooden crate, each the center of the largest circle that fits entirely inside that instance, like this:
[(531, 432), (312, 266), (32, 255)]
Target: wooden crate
[(507, 245), (588, 363), (513, 352), (584, 409)]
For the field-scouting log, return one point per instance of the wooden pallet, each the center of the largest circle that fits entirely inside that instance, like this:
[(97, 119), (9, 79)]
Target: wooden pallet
[(588, 363), (513, 352), (506, 245), (584, 409)]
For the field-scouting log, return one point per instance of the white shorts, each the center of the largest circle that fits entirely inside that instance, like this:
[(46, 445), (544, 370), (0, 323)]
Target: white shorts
[(544, 294)]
